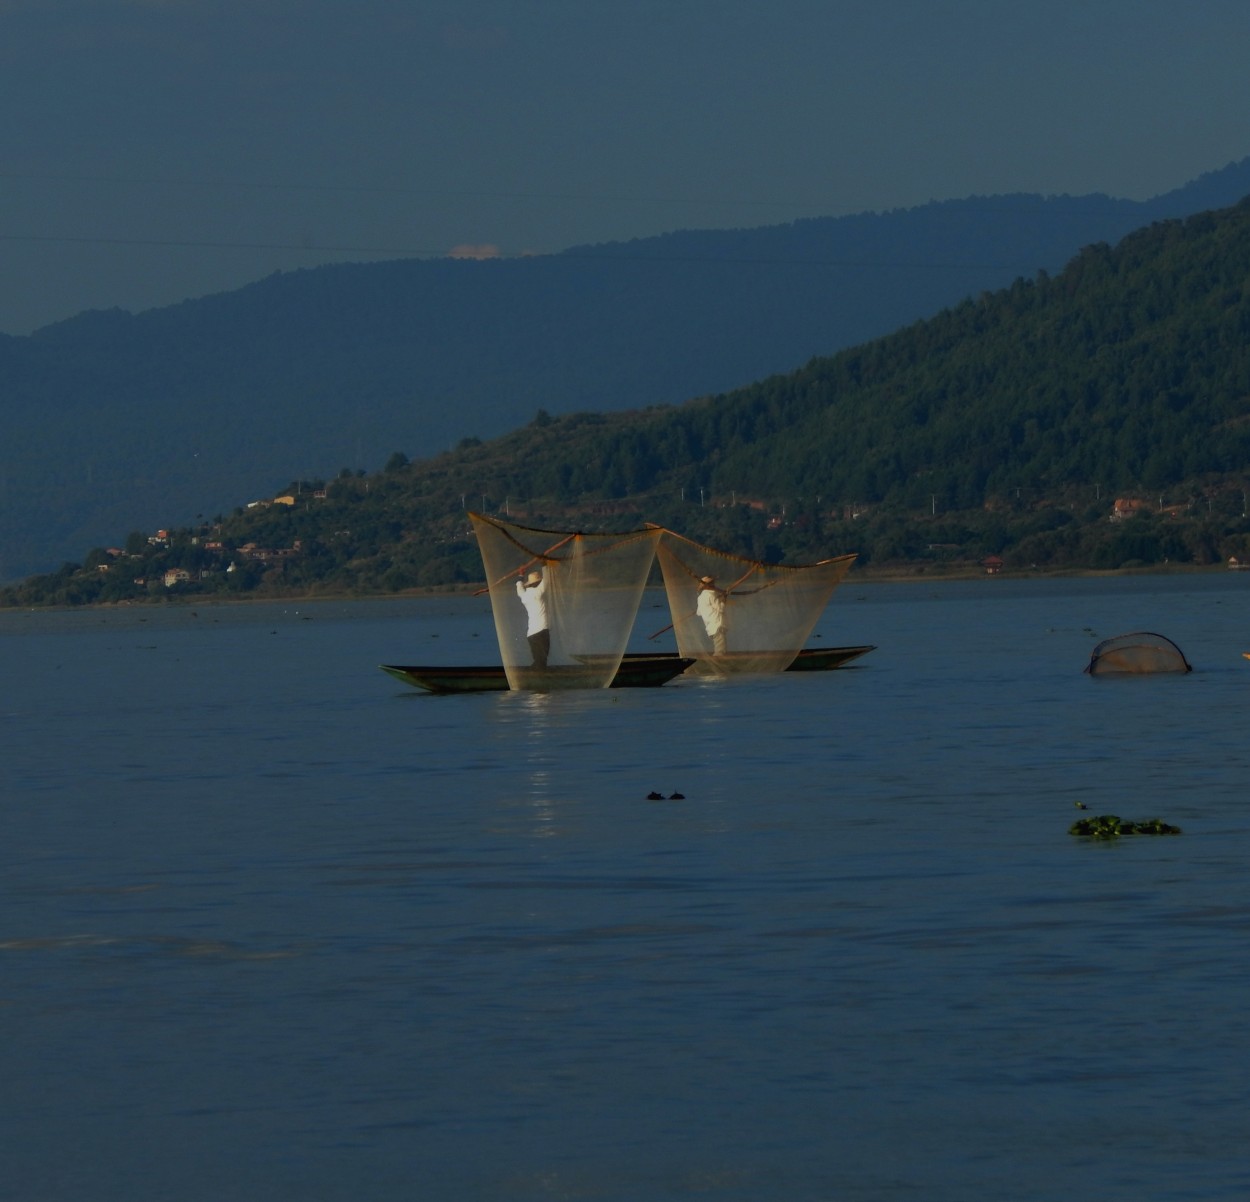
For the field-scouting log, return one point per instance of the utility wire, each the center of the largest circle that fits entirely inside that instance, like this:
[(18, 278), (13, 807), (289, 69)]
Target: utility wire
[(410, 252)]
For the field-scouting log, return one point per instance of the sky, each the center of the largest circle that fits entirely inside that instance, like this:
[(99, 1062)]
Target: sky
[(156, 150)]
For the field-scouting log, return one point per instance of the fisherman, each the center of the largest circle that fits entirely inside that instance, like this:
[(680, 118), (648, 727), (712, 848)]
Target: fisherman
[(532, 591), (710, 606)]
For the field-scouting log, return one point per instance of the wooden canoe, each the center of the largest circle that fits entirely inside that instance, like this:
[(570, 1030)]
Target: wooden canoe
[(810, 659), (641, 671), (821, 659)]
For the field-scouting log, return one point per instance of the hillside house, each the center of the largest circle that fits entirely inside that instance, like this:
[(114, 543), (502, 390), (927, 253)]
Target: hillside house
[(1127, 507)]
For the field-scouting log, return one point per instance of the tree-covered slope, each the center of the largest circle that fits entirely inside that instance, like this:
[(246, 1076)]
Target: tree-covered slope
[(1005, 425), (1129, 371), (112, 420)]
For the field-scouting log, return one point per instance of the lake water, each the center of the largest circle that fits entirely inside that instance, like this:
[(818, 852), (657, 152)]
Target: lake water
[(273, 926)]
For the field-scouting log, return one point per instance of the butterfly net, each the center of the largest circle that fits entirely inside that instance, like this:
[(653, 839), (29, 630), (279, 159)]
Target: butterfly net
[(564, 603), (734, 615), (1136, 654)]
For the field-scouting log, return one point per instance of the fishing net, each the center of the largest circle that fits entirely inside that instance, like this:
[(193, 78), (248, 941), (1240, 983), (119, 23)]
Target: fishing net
[(734, 615), (564, 603), (1136, 654)]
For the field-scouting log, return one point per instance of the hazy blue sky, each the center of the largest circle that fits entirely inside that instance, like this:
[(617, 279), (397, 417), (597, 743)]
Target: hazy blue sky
[(153, 150)]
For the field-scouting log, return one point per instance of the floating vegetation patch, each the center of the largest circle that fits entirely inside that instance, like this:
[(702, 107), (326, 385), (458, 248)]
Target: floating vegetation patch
[(1111, 826)]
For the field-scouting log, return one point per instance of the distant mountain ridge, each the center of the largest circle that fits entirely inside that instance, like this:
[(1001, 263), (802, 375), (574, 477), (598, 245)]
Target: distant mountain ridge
[(1098, 418), (112, 421)]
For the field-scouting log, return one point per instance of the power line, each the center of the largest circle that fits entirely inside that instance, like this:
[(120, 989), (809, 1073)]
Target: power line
[(411, 252), (399, 190), (965, 204), (205, 245)]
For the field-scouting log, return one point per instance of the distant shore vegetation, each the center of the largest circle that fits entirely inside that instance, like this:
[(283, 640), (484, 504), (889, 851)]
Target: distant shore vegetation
[(1098, 420), (375, 536)]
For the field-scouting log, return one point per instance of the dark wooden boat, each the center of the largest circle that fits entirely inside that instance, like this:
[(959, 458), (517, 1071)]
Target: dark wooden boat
[(639, 669), (636, 671), (810, 659), (821, 659)]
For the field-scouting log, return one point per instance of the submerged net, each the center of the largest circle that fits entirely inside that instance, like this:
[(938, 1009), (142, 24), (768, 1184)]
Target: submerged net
[(564, 603), (1136, 654), (735, 615)]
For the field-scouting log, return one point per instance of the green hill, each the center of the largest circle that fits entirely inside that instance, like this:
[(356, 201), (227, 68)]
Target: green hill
[(1009, 425), (112, 420)]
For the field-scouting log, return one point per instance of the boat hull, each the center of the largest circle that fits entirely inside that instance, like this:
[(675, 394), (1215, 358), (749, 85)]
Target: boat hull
[(810, 659), (639, 669), (821, 659), (648, 671)]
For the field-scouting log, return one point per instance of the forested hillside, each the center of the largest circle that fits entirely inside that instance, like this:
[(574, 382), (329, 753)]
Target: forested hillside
[(1129, 371), (1097, 418), (113, 421)]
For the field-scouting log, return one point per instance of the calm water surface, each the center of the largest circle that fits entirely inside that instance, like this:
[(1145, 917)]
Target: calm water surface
[(274, 927)]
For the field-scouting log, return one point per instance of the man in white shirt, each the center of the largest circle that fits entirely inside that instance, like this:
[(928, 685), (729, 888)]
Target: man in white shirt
[(710, 606), (533, 594)]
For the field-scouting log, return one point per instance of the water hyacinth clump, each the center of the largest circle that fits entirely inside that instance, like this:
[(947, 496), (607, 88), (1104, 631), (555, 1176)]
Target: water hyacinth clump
[(1111, 826)]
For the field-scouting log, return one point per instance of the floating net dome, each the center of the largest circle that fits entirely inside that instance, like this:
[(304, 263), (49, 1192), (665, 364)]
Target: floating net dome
[(1136, 655), (735, 615), (563, 602)]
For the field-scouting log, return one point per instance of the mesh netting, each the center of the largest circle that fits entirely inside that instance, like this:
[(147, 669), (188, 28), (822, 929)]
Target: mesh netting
[(1136, 654), (735, 615), (564, 603)]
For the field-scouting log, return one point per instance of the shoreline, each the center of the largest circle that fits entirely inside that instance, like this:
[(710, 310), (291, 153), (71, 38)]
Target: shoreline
[(886, 574)]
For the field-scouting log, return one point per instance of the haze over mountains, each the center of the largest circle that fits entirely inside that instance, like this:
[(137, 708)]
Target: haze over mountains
[(112, 421)]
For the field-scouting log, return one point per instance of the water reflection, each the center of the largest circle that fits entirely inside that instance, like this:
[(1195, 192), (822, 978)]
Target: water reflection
[(861, 957), (528, 723)]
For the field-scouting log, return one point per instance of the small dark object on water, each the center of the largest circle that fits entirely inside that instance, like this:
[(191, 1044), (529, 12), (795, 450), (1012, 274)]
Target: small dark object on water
[(654, 796), (1141, 654), (1080, 805), (677, 797), (1111, 826)]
